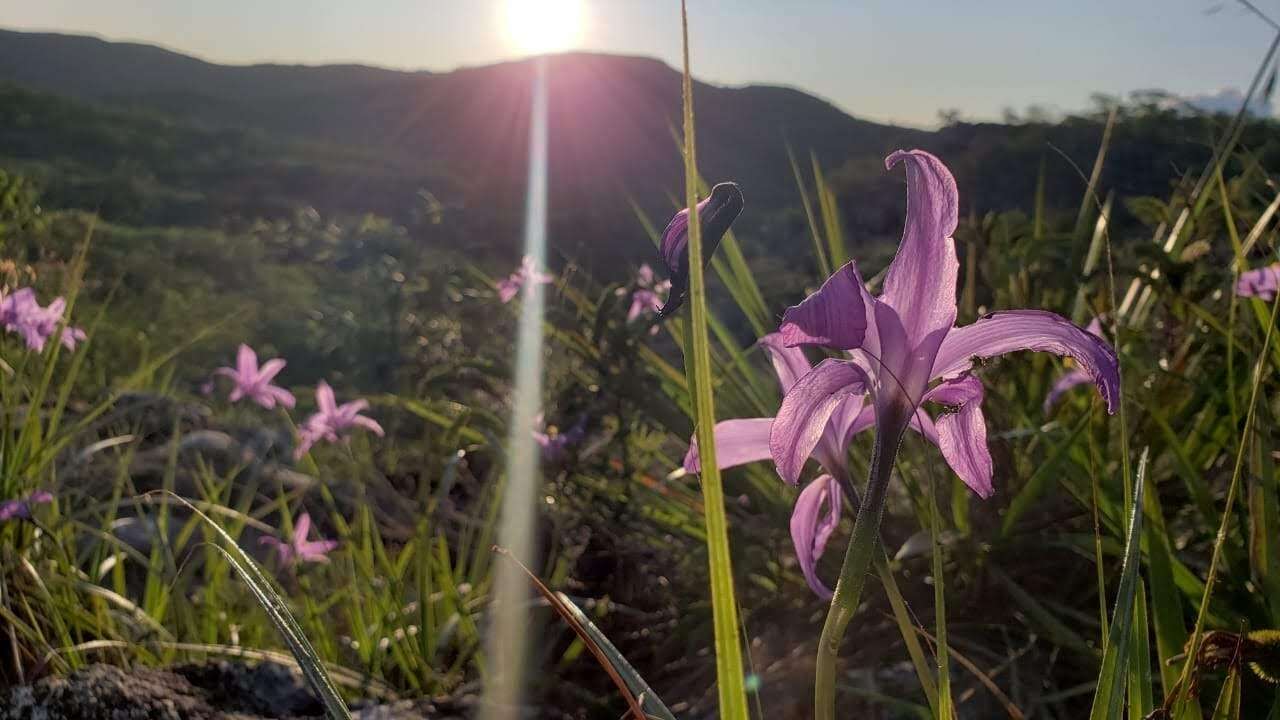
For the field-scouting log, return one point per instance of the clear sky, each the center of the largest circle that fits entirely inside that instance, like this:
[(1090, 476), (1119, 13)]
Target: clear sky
[(891, 60)]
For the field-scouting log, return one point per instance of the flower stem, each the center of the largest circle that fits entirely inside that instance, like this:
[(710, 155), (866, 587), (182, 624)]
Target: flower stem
[(892, 423)]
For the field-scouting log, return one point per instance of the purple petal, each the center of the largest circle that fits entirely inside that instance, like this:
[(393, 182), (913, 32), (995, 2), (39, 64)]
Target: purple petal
[(675, 240), (1069, 379), (1260, 283), (811, 528), (921, 281), (368, 424), (805, 410), (1013, 330), (324, 399), (316, 550), (302, 527), (789, 363), (849, 418), (962, 432), (269, 370), (835, 316), (282, 396), (246, 363), (14, 509), (508, 288), (738, 442)]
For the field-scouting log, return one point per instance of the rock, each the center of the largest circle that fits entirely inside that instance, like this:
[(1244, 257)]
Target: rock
[(210, 691)]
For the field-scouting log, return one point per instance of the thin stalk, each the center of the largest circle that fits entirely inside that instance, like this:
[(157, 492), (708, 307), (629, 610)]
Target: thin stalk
[(1193, 648), (857, 557), (730, 682)]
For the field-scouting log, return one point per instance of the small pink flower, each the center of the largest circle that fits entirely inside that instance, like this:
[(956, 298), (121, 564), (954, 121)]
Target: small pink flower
[(254, 382), (331, 421), (527, 273), (298, 548)]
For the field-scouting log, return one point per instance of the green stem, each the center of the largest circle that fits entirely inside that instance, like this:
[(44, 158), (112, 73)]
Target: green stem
[(892, 423)]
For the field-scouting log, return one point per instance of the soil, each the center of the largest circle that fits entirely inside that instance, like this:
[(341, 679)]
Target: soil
[(212, 691)]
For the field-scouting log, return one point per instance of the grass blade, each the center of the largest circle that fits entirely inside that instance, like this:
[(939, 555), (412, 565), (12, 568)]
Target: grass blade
[(1108, 698), (730, 682)]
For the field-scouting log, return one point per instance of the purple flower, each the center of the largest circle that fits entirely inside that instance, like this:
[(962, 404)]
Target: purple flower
[(746, 440), (254, 382), (1072, 377), (647, 295), (528, 272), (298, 548), (20, 312), (906, 338), (1260, 283), (331, 421), (555, 444), (21, 509), (716, 213)]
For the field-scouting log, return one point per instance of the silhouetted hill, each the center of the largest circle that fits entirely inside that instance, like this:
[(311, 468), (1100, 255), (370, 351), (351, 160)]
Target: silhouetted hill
[(213, 141), (611, 123)]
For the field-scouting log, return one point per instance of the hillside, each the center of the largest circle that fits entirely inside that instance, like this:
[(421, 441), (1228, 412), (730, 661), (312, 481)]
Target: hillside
[(149, 136)]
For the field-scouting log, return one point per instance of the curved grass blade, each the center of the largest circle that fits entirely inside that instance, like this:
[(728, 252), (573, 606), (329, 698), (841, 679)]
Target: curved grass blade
[(278, 612)]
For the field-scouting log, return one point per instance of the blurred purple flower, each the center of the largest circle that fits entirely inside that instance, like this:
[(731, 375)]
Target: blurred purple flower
[(298, 548), (746, 440), (716, 213), (331, 420), (20, 312), (1261, 283), (21, 509), (1072, 377), (555, 444), (647, 295), (254, 382), (528, 272), (906, 338)]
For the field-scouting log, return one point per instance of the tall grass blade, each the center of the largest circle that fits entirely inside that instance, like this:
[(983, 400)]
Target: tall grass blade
[(1108, 698), (730, 682)]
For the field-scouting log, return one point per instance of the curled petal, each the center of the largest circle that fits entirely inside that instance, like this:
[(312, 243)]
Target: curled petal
[(805, 410), (962, 432), (1068, 380), (738, 442), (811, 528), (715, 214), (835, 316), (921, 281), (789, 363), (1260, 283), (1013, 330), (282, 396)]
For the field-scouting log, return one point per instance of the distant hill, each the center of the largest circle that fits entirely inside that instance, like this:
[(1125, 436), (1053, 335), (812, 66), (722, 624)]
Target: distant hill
[(348, 138), (611, 121)]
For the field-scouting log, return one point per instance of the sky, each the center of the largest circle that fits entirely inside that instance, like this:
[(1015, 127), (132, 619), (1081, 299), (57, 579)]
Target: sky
[(887, 60)]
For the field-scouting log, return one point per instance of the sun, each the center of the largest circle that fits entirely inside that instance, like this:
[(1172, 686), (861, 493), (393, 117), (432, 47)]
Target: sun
[(542, 26)]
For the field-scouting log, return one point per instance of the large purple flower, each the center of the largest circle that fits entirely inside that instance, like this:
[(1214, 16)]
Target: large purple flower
[(298, 548), (905, 339), (527, 273), (1261, 283), (817, 510), (332, 421), (715, 214), (254, 382)]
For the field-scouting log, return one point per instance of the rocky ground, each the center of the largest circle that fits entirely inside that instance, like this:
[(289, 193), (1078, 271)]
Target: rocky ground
[(212, 691)]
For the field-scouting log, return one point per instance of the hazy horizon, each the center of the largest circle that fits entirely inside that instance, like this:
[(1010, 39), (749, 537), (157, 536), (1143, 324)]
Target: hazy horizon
[(957, 58)]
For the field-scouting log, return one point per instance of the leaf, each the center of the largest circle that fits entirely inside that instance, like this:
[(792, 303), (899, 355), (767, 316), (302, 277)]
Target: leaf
[(1108, 698)]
